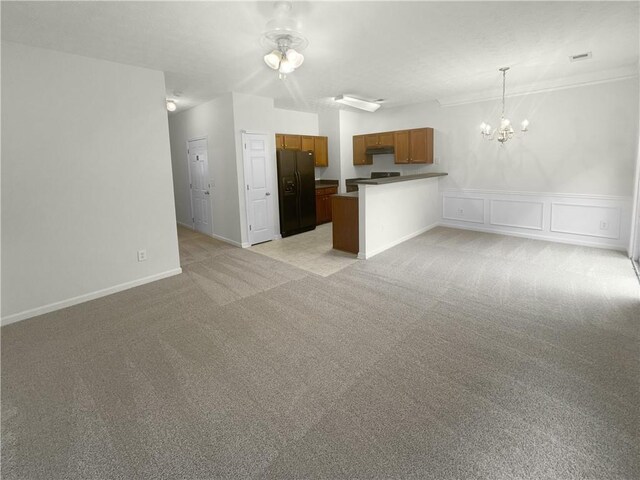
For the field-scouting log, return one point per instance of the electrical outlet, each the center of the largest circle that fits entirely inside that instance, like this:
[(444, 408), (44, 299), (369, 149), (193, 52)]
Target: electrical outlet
[(142, 255), (604, 225), (436, 161), (461, 212)]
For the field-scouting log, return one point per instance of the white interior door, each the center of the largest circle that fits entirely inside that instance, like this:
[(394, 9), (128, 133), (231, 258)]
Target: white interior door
[(258, 177), (200, 186)]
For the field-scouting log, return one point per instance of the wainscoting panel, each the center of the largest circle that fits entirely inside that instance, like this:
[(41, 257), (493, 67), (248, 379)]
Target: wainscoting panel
[(591, 220), (517, 213), (463, 209)]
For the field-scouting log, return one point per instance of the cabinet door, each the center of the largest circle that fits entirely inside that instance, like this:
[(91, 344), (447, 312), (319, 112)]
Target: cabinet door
[(371, 140), (421, 145), (320, 210), (401, 141), (359, 155), (279, 140), (385, 139), (306, 143), (292, 142), (320, 148), (328, 203)]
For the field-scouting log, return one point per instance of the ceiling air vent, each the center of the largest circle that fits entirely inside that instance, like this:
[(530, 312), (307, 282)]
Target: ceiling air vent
[(580, 56)]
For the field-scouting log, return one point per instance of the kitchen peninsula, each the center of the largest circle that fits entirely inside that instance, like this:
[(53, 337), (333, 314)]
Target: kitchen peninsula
[(389, 211)]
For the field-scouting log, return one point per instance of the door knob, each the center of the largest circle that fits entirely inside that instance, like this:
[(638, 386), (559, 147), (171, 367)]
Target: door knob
[(268, 193), (207, 192)]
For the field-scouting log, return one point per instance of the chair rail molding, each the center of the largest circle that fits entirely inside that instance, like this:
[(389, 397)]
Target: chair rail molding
[(580, 219)]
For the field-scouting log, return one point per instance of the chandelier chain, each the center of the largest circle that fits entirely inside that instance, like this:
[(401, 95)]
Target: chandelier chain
[(504, 79)]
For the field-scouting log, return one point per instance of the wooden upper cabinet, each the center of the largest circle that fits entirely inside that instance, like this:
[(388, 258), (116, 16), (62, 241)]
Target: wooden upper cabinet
[(306, 143), (401, 141), (359, 149), (371, 140), (379, 139), (410, 146), (321, 150), (414, 146), (421, 145), (293, 142), (386, 139)]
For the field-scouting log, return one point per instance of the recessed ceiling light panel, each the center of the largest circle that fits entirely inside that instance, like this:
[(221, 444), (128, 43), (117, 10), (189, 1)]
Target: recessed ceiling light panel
[(357, 103)]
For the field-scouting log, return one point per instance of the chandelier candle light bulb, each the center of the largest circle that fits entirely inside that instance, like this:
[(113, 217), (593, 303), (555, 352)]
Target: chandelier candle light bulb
[(505, 132)]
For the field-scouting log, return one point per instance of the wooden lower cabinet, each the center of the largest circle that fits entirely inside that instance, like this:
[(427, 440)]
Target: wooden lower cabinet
[(323, 204), (345, 223)]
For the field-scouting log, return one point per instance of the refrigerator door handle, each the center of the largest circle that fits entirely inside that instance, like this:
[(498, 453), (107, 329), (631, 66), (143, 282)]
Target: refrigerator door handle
[(298, 194)]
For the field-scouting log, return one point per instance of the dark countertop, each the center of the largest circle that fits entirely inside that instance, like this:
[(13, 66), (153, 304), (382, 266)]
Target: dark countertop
[(346, 195), (326, 183), (352, 181), (405, 178)]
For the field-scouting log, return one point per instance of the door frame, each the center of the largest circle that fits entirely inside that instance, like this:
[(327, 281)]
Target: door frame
[(634, 240), (272, 179), (193, 223)]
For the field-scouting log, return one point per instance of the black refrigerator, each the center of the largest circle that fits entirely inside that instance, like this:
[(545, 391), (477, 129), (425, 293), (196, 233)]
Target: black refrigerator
[(296, 191)]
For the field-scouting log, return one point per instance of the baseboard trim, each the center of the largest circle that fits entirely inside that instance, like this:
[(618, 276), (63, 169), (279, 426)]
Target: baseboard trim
[(227, 240), (16, 317), (368, 255), (190, 227), (534, 236), (216, 236)]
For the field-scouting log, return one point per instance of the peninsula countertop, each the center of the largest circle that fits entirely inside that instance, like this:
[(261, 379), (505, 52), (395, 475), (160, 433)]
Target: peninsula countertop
[(405, 178), (346, 195)]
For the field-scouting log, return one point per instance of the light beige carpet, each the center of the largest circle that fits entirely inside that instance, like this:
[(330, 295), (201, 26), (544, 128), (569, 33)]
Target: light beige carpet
[(455, 355), (311, 251)]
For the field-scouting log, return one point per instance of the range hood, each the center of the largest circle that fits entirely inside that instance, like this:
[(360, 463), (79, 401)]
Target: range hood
[(379, 149)]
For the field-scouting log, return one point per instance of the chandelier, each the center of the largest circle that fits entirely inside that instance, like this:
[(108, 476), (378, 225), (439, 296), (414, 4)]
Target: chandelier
[(505, 131), (285, 41)]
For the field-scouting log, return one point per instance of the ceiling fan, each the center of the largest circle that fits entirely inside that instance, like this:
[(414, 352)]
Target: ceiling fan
[(284, 39)]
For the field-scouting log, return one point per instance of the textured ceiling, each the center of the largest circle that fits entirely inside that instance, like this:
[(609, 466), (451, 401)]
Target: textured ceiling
[(404, 52)]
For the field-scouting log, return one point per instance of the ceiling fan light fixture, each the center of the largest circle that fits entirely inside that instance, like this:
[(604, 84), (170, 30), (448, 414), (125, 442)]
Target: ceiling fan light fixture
[(273, 59), (294, 58), (284, 38), (357, 103), (286, 66)]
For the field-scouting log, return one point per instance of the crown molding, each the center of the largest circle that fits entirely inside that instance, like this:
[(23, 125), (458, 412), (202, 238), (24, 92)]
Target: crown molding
[(592, 78)]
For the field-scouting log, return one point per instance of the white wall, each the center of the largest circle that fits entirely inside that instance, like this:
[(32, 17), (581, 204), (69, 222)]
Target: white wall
[(329, 126), (222, 121), (581, 140), (258, 115), (213, 120), (582, 144), (392, 213), (356, 123), (86, 180)]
